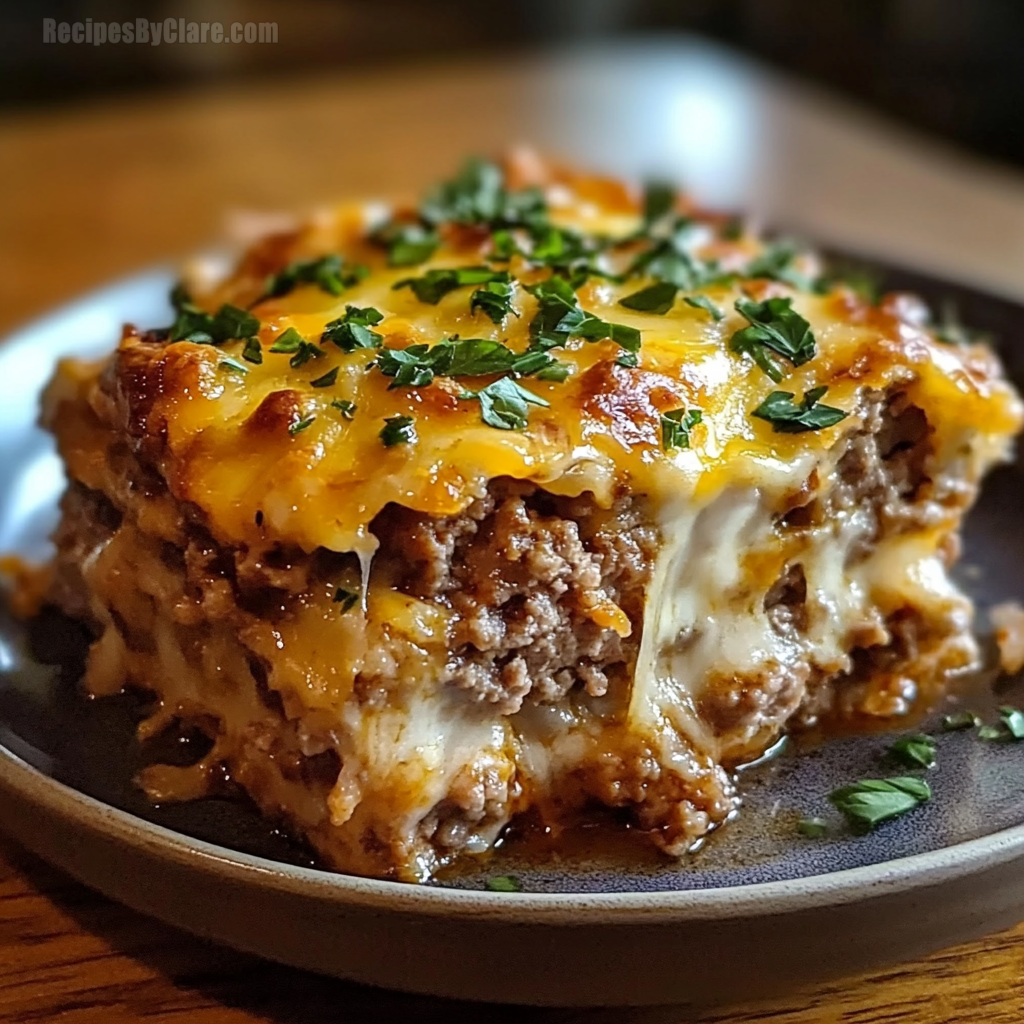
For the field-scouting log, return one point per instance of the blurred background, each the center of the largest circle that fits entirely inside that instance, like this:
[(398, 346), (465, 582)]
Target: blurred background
[(883, 128), (952, 67)]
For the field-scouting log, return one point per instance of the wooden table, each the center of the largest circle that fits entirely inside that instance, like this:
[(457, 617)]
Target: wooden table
[(93, 193)]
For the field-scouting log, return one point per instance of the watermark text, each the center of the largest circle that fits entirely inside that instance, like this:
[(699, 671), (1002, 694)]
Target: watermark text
[(156, 33)]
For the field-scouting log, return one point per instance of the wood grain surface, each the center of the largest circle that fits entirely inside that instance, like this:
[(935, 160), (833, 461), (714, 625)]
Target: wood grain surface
[(97, 192)]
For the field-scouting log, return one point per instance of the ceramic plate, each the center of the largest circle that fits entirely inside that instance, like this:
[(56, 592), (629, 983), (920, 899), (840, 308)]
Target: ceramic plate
[(757, 909)]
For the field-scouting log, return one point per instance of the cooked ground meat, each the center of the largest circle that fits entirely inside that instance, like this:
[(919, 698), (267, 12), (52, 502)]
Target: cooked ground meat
[(525, 573), (525, 583)]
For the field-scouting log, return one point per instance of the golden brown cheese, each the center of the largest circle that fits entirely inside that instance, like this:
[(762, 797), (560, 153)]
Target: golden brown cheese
[(230, 452)]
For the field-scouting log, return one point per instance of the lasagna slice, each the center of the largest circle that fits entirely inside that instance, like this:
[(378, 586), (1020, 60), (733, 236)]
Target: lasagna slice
[(540, 495)]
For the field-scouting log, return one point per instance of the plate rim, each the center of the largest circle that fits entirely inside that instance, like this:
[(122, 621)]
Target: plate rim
[(665, 906), (832, 889)]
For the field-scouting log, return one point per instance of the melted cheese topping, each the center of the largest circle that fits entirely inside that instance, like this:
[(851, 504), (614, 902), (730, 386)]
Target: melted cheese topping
[(230, 452)]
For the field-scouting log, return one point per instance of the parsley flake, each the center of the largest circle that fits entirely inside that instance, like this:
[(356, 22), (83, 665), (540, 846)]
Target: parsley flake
[(398, 430), (503, 883), (230, 322), (408, 244), (960, 720), (352, 330), (669, 261), (193, 324), (477, 195), (917, 751), (328, 273), (594, 329), (775, 325), (252, 352), (346, 598), (871, 802), (1013, 720), (299, 425), (657, 298), (777, 262), (505, 403), (703, 302), (306, 350), (435, 284), (232, 365), (559, 317), (494, 299), (345, 407), (288, 341), (676, 426), (326, 380), (788, 417), (812, 828), (418, 365), (1009, 729), (659, 200)]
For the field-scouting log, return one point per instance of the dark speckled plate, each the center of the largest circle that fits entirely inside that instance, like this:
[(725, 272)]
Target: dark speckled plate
[(216, 867)]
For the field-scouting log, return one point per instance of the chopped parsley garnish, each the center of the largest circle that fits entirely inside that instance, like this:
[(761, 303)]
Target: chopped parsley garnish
[(812, 828), (669, 261), (703, 302), (917, 751), (505, 403), (659, 199), (775, 325), (565, 251), (537, 363), (657, 298), (560, 248), (329, 273), (434, 285), (352, 330), (477, 195), (231, 322), (326, 380), (504, 246), (503, 883), (346, 598), (232, 365), (192, 324), (299, 425), (345, 407), (871, 802), (789, 417), (288, 341), (594, 329), (494, 299), (408, 244), (418, 365), (676, 426), (252, 351), (410, 367), (560, 317), (627, 359), (960, 720), (776, 262), (1013, 721), (398, 430), (1009, 729)]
